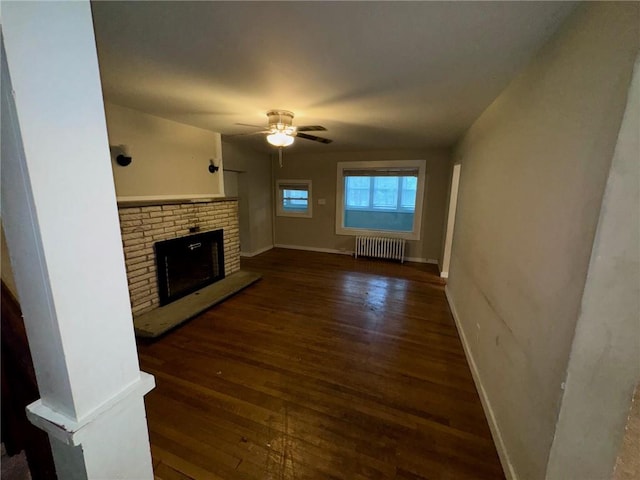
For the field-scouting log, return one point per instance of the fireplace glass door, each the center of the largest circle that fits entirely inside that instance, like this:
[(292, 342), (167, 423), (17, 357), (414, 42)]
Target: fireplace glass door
[(187, 264)]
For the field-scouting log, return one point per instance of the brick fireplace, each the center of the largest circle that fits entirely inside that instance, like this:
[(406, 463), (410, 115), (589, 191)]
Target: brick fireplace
[(142, 226)]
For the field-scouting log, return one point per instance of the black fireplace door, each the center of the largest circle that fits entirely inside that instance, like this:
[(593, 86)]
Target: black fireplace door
[(187, 264)]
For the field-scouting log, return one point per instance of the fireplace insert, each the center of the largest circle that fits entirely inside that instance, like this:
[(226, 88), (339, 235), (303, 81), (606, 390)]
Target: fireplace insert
[(187, 264)]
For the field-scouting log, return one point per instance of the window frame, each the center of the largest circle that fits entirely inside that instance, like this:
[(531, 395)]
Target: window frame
[(415, 233), (280, 210)]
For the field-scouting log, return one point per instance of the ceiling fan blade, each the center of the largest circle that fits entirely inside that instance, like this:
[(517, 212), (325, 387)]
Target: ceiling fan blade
[(249, 125), (312, 128), (314, 138), (262, 132)]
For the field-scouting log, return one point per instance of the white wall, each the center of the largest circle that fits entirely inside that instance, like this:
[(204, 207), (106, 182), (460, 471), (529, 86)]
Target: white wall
[(534, 169), (255, 202), (170, 159), (604, 366)]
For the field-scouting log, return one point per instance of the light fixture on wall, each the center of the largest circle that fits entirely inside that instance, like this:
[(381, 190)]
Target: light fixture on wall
[(121, 152), (123, 161), (214, 165)]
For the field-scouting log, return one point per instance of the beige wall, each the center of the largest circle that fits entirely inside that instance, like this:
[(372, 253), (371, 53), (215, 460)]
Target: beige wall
[(321, 168), (170, 159), (534, 169), (254, 197), (604, 366)]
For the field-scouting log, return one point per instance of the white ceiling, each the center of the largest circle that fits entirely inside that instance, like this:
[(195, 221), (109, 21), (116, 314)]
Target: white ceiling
[(378, 75)]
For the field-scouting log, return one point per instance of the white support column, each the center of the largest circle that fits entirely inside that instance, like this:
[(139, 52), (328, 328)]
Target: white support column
[(61, 223)]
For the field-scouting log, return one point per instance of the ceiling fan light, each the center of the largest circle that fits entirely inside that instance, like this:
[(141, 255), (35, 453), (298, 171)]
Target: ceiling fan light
[(280, 139)]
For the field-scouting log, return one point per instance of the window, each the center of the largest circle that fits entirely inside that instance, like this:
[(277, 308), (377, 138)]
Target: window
[(294, 198), (381, 193), (380, 197)]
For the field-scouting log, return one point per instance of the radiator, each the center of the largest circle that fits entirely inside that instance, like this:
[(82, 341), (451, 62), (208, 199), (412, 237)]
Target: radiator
[(380, 247)]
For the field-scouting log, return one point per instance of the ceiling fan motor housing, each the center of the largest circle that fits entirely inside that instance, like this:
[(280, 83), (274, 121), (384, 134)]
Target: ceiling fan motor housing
[(281, 131), (281, 121)]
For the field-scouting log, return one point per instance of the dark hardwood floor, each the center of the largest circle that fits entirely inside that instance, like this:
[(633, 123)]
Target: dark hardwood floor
[(327, 368)]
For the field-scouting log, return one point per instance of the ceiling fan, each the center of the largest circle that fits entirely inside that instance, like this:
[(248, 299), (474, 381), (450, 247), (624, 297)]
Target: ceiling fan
[(281, 132)]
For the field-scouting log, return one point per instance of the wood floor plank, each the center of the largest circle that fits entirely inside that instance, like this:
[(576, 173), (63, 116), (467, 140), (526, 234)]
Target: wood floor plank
[(329, 367), (179, 464), (164, 472)]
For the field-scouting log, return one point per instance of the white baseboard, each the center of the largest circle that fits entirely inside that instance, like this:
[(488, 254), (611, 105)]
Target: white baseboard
[(314, 249), (348, 252), (421, 260), (484, 399), (256, 252)]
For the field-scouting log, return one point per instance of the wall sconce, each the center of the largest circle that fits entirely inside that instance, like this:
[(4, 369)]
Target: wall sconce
[(214, 165), (122, 158), (123, 161)]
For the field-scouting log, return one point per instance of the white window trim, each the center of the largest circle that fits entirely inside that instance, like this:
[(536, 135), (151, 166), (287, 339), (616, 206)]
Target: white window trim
[(421, 165), (280, 212)]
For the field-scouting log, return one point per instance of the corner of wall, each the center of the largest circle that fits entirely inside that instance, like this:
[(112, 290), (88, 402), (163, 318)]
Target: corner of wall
[(501, 448), (527, 216), (604, 363)]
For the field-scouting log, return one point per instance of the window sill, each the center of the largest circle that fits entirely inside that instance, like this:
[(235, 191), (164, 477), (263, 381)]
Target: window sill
[(378, 210), (294, 215), (377, 233)]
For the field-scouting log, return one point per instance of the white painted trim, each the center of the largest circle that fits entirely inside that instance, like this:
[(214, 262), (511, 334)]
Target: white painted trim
[(185, 197), (484, 398), (256, 252), (421, 260), (451, 217), (280, 212), (444, 274), (314, 249), (421, 165), (71, 431), (349, 252)]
